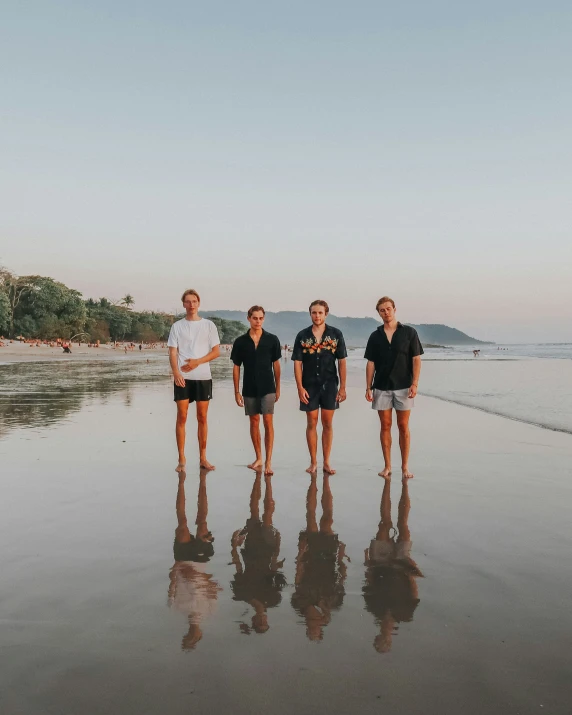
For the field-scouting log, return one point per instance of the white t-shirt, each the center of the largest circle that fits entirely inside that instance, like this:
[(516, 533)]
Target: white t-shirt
[(194, 339)]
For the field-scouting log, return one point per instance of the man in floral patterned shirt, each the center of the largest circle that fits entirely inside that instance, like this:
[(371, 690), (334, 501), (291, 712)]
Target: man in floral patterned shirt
[(319, 352)]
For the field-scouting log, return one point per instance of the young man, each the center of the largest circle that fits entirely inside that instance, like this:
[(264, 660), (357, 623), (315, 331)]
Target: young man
[(393, 355), (193, 343), (260, 354), (315, 352)]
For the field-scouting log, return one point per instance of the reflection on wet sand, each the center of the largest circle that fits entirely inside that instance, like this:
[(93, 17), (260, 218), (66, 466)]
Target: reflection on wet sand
[(255, 552), (192, 590), (390, 588), (320, 566)]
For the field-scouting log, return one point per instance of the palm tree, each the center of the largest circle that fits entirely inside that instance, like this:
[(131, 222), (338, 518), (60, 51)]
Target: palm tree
[(128, 301)]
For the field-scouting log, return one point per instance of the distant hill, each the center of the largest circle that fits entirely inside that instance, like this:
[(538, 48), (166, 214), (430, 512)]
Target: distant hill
[(286, 323)]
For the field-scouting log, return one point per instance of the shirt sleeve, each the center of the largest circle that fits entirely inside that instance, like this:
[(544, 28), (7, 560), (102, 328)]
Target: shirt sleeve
[(214, 339), (235, 355), (415, 347), (172, 342), (370, 350), (276, 351), (297, 351), (341, 352)]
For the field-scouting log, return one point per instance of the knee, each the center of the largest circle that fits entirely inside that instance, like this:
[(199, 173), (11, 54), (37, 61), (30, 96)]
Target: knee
[(202, 419), (254, 420), (327, 424), (181, 418), (313, 422)]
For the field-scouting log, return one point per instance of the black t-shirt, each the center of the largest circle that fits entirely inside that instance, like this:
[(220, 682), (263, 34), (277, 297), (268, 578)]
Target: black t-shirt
[(258, 361), (319, 360), (393, 361)]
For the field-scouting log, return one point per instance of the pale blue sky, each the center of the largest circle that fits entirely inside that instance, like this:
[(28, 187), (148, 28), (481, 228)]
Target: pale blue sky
[(271, 152)]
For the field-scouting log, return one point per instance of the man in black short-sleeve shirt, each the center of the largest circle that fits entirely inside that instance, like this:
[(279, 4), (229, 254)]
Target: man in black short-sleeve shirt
[(319, 351), (394, 354), (259, 352)]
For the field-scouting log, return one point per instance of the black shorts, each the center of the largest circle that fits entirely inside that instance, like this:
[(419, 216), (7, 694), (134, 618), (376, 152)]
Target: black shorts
[(321, 396), (194, 391)]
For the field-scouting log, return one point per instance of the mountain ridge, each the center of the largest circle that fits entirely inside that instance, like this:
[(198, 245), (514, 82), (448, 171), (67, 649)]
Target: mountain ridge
[(287, 323)]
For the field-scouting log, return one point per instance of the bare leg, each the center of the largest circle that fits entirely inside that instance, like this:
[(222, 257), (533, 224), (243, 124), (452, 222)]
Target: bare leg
[(182, 410), (327, 438), (385, 438), (202, 433), (312, 439), (268, 442), (404, 441), (327, 507), (255, 437)]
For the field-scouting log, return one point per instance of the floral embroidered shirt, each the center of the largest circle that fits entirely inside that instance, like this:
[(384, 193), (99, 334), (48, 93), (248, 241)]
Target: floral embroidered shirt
[(319, 358)]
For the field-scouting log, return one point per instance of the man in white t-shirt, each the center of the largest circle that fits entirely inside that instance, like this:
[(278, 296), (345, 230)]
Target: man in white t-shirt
[(193, 343)]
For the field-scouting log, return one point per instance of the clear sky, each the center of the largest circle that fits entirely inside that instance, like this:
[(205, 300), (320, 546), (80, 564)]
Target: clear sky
[(276, 152)]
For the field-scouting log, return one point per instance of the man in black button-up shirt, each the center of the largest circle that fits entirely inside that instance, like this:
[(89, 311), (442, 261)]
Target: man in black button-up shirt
[(394, 354), (260, 354), (316, 350)]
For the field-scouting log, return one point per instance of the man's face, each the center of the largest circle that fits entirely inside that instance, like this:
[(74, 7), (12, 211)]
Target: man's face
[(386, 312), (318, 315), (191, 304), (256, 320)]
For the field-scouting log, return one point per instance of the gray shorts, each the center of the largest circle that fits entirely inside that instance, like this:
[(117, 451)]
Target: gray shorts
[(388, 399), (259, 405)]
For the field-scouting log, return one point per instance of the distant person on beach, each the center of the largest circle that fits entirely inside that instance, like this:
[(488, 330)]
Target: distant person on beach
[(393, 355), (476, 353), (315, 353), (193, 343), (260, 354)]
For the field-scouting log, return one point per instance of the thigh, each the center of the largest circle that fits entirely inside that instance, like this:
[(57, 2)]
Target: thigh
[(202, 408), (182, 408), (327, 416), (403, 418), (312, 417)]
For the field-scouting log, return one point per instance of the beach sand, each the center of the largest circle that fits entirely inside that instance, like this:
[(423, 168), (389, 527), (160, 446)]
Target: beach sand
[(95, 619)]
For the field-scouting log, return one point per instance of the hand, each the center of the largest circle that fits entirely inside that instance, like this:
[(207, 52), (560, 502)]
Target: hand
[(412, 390), (369, 394), (277, 394), (304, 396), (239, 400), (179, 379), (190, 365), (341, 396)]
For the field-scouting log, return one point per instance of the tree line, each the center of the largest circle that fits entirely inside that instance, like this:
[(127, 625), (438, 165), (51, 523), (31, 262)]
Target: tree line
[(40, 307)]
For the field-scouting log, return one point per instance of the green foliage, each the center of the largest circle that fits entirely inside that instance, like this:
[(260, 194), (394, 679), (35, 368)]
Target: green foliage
[(55, 309), (228, 330), (4, 313)]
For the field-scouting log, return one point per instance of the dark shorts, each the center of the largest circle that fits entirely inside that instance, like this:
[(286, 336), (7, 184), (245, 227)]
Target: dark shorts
[(194, 391), (324, 396)]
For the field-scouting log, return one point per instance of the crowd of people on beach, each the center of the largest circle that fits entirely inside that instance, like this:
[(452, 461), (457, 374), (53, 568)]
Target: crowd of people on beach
[(389, 591), (393, 366)]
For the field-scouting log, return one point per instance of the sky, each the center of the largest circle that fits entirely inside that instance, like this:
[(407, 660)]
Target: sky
[(274, 153)]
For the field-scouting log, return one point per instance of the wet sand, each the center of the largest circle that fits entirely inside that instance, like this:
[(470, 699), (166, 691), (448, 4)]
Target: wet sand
[(463, 604)]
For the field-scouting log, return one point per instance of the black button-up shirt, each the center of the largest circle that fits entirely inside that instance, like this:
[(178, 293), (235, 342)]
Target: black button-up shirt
[(393, 360), (319, 359), (258, 362)]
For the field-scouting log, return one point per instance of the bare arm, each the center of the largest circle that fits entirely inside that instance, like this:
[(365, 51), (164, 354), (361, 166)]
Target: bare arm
[(195, 362), (174, 362), (277, 373), (416, 373), (236, 380), (302, 394), (369, 372), (343, 370)]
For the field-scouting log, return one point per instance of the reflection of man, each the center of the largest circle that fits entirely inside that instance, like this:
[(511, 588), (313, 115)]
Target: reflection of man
[(392, 374), (320, 567), (260, 354), (390, 591), (315, 353), (193, 591), (193, 343), (258, 580)]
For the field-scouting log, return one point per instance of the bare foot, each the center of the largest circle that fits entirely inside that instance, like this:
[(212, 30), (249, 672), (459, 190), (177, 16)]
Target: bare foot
[(205, 464), (256, 465), (312, 469), (268, 471), (406, 473), (328, 469), (181, 467), (385, 473)]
